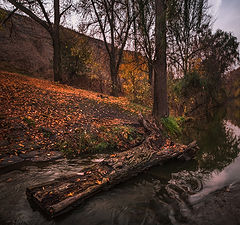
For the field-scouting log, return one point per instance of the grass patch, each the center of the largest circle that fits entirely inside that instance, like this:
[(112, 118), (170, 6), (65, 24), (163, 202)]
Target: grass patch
[(106, 139), (172, 125)]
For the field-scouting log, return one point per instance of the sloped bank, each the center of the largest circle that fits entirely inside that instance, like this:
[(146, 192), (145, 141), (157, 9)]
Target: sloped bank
[(60, 195)]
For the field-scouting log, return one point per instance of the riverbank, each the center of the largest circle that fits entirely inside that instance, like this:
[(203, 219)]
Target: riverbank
[(159, 195), (42, 120)]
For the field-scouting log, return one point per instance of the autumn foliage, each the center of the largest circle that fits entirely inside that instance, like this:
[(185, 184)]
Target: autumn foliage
[(134, 77)]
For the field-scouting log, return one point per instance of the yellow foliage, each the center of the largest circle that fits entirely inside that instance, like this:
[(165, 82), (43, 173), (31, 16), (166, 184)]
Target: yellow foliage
[(134, 77)]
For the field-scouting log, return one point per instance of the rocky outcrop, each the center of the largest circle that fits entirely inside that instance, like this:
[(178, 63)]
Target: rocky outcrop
[(26, 47)]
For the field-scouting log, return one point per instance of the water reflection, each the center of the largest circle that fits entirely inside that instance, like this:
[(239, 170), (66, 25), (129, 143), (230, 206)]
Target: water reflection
[(227, 177), (217, 137), (162, 195)]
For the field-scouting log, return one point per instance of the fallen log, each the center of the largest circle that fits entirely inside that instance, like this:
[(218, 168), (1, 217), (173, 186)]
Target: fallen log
[(62, 194)]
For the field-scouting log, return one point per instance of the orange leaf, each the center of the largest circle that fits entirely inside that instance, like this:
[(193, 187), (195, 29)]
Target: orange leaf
[(98, 182), (70, 194)]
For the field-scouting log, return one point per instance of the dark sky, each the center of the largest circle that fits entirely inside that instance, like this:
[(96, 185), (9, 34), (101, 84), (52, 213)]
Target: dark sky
[(227, 15)]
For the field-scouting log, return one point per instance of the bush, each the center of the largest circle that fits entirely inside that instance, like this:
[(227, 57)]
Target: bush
[(76, 55), (134, 78)]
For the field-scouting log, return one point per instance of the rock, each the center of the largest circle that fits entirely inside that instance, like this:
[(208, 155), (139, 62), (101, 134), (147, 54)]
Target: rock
[(33, 156), (10, 160), (97, 160), (29, 155), (38, 156), (46, 156), (27, 47)]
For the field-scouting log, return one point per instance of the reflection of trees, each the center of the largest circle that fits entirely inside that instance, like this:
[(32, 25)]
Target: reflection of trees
[(218, 145), (233, 112)]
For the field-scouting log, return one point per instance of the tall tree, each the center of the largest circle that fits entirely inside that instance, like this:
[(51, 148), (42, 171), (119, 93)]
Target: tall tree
[(188, 23), (144, 32), (39, 10), (220, 54), (113, 20), (160, 102)]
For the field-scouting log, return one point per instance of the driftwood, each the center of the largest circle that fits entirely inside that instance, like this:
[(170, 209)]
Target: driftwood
[(62, 194)]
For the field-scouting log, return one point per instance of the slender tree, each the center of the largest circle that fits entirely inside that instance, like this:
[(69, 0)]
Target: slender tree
[(144, 32), (38, 10), (188, 23), (112, 20), (160, 103)]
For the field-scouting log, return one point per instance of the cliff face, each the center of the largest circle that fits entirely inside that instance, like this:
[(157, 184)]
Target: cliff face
[(26, 47)]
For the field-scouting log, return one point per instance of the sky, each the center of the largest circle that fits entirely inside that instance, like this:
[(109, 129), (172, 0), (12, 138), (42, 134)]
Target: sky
[(227, 16)]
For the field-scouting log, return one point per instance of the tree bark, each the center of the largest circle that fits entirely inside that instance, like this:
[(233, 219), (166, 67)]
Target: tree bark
[(116, 87), (56, 44), (150, 72), (56, 56), (160, 103)]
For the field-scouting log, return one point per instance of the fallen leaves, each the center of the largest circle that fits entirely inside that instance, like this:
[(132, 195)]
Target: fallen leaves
[(98, 182), (31, 104), (70, 194)]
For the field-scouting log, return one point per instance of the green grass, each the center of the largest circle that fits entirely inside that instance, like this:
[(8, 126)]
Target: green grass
[(108, 139), (172, 125)]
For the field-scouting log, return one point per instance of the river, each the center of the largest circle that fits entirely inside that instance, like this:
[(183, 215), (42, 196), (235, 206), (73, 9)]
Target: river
[(202, 191)]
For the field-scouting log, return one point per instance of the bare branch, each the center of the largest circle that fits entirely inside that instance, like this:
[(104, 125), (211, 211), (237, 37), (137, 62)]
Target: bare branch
[(65, 10), (29, 13), (44, 12)]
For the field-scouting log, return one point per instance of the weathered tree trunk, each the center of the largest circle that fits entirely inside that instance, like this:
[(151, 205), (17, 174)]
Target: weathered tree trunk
[(160, 103), (58, 196)]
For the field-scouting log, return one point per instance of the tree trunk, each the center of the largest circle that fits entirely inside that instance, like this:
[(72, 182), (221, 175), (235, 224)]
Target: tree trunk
[(56, 44), (160, 104), (150, 73), (116, 88), (59, 196)]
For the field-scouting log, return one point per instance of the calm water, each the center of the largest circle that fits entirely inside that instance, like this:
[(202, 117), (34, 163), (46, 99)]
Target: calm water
[(177, 193)]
